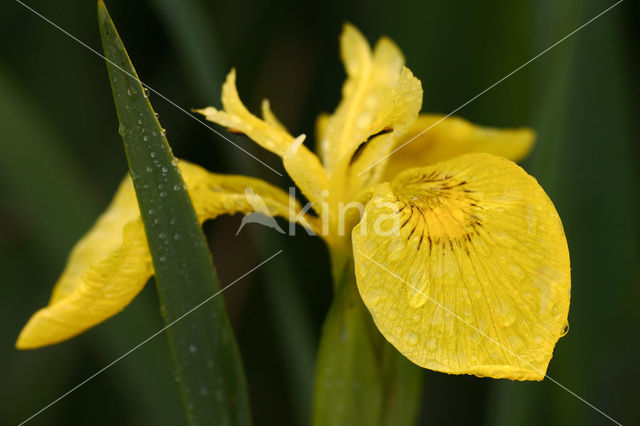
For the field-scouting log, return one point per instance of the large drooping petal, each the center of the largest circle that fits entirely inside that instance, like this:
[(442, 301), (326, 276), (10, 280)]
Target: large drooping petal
[(301, 164), (380, 97), (433, 138), (112, 263), (464, 267)]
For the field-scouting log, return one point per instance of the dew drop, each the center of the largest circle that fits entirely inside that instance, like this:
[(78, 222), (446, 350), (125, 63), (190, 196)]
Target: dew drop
[(152, 155), (145, 92), (152, 211), (145, 138), (432, 345), (416, 298), (565, 329), (149, 169), (411, 338), (130, 91)]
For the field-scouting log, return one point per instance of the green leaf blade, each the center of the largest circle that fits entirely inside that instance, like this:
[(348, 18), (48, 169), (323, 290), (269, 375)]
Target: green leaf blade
[(207, 360)]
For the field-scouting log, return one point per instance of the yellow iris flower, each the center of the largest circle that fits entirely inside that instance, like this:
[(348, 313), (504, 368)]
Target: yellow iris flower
[(474, 280)]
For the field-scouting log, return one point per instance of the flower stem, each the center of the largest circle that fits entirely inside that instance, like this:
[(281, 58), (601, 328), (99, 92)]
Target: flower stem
[(360, 377), (348, 387)]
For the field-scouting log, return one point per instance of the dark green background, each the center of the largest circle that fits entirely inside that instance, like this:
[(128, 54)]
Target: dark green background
[(61, 159)]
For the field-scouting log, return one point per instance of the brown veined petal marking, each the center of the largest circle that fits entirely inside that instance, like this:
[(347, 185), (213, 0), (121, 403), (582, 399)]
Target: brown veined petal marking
[(464, 267)]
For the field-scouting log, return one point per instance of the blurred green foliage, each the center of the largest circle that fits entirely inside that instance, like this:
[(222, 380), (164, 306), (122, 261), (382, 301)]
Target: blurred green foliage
[(61, 160)]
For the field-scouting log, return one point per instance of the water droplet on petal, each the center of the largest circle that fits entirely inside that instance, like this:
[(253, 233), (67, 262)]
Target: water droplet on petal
[(411, 338), (432, 345)]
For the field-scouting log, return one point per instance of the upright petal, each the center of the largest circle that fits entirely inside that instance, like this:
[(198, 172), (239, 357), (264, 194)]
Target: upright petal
[(112, 263), (434, 138), (365, 166), (464, 267), (370, 98)]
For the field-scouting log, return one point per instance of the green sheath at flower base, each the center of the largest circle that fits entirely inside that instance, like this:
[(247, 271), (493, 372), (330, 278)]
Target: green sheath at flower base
[(348, 386), (207, 360)]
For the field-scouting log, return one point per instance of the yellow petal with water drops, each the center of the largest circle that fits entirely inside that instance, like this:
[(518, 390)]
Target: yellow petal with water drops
[(366, 167), (270, 134), (434, 138), (111, 263), (464, 267), (367, 97)]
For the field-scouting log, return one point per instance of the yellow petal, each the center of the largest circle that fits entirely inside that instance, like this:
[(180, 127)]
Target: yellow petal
[(303, 167), (366, 169), (369, 96), (309, 174), (104, 272), (434, 138), (237, 117), (111, 263), (475, 277), (269, 117)]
